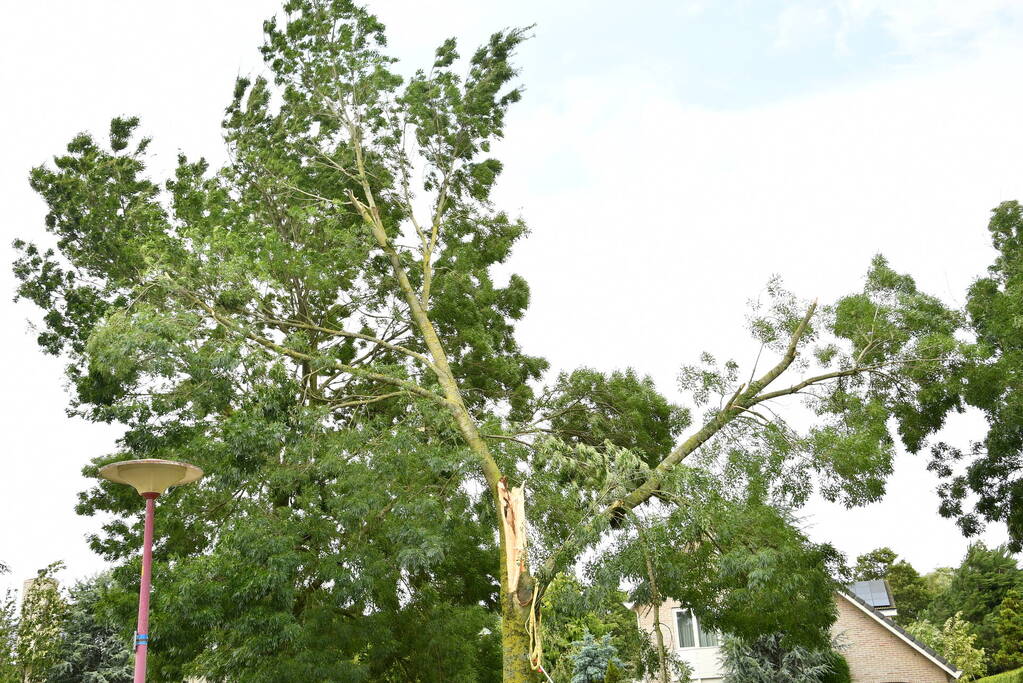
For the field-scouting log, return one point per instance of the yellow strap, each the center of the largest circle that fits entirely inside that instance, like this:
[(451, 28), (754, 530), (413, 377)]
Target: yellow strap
[(533, 623)]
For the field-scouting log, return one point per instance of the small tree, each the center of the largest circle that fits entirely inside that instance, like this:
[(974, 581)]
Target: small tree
[(43, 612), (1009, 626), (955, 642), (594, 658)]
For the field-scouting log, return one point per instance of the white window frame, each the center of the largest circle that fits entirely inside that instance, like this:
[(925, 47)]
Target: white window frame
[(695, 622)]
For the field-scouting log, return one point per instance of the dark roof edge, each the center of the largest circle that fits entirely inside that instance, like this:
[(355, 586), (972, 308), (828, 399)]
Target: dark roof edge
[(891, 625)]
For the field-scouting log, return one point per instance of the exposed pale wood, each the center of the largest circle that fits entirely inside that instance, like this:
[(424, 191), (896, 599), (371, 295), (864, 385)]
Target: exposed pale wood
[(513, 518)]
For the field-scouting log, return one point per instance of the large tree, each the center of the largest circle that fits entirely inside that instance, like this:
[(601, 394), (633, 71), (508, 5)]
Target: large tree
[(320, 326)]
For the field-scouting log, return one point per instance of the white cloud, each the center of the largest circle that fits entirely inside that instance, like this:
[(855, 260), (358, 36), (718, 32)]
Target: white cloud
[(802, 24), (927, 26)]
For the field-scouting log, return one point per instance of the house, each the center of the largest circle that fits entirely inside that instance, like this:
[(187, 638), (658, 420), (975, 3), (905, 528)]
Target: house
[(877, 649)]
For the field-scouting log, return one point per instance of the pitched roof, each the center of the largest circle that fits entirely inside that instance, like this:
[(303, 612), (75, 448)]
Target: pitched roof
[(900, 632)]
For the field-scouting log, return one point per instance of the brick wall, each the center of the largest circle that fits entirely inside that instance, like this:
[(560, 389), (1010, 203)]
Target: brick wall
[(876, 655)]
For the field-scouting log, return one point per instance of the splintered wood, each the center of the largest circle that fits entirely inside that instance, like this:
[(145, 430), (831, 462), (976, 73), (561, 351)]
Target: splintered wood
[(513, 517)]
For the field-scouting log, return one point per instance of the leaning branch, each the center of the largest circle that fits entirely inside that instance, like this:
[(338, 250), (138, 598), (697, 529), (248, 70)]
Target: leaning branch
[(735, 406), (787, 359), (371, 216)]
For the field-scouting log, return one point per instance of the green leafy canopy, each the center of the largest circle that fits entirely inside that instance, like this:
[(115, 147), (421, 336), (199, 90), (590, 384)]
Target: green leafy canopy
[(990, 376)]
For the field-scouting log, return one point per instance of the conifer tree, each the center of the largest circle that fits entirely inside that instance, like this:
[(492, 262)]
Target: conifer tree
[(92, 648), (1008, 624)]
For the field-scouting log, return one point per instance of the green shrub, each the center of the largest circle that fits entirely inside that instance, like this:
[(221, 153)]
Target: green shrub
[(839, 670), (615, 674), (1005, 677)]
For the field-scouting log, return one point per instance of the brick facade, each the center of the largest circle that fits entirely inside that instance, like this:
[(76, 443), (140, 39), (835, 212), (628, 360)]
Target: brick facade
[(875, 654)]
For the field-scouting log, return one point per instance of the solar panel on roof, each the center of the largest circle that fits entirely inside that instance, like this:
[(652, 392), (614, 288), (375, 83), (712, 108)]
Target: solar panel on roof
[(874, 593)]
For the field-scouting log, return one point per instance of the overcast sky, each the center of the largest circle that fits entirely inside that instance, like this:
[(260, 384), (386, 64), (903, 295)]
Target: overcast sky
[(668, 156)]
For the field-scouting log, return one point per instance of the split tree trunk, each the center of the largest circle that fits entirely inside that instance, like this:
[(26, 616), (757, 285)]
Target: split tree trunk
[(516, 586), (515, 639)]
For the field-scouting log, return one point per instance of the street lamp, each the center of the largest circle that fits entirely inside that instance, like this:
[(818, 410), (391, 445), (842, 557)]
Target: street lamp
[(150, 478)]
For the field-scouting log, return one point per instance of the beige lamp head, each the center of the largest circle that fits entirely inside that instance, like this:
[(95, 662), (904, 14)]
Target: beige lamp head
[(151, 476)]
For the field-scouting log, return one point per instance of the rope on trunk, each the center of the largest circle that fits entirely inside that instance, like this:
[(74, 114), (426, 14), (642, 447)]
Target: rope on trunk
[(533, 622)]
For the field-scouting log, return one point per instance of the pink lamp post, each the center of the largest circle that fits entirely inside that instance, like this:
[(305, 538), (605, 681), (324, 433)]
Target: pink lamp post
[(150, 478)]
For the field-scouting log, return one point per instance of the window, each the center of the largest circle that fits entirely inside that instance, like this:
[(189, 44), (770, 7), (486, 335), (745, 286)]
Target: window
[(691, 633), (685, 629), (707, 638)]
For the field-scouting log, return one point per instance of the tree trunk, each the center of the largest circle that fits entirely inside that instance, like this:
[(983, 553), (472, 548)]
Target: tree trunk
[(515, 641), (514, 636), (656, 599), (662, 662)]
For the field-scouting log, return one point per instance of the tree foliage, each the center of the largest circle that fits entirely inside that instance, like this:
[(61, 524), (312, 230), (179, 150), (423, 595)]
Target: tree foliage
[(63, 636), (589, 407), (938, 580), (1008, 623), (874, 565), (954, 641), (840, 672), (320, 325), (989, 375), (41, 625), (594, 659), (573, 610), (909, 590), (93, 647), (8, 635), (978, 587)]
